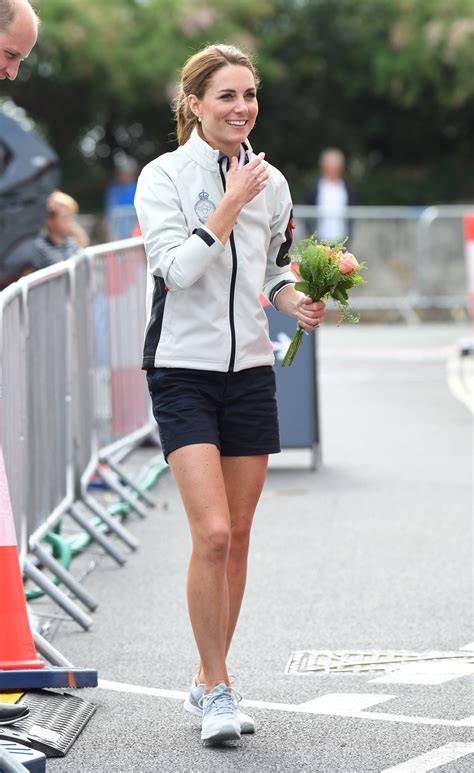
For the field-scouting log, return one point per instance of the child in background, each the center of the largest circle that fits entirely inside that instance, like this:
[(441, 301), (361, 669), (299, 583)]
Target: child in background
[(62, 236)]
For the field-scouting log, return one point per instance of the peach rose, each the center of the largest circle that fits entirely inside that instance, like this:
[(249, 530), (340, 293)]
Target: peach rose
[(347, 262)]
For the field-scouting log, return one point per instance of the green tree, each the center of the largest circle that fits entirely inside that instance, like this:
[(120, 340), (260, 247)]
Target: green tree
[(388, 81), (102, 76)]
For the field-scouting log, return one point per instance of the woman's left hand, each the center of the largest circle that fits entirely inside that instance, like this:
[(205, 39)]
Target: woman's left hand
[(309, 313)]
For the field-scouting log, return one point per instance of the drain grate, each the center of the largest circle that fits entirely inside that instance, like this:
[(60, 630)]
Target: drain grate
[(363, 661), (53, 724)]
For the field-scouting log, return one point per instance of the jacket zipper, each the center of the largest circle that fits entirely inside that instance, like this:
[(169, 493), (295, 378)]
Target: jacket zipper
[(232, 284)]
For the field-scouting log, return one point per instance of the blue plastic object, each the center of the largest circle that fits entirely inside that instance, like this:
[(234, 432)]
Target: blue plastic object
[(31, 759), (48, 677)]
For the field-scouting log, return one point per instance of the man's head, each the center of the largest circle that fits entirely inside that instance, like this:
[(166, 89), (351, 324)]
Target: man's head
[(126, 170), (18, 34), (332, 162)]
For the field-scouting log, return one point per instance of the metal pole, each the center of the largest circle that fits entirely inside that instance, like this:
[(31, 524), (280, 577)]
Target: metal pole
[(97, 535), (66, 577), (46, 649), (143, 494), (111, 481), (60, 598), (114, 525)]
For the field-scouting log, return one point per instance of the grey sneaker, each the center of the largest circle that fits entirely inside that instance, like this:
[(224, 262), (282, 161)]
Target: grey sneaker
[(191, 704), (219, 715)]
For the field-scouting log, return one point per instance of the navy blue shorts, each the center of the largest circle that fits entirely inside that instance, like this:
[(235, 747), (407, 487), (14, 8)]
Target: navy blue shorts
[(237, 412)]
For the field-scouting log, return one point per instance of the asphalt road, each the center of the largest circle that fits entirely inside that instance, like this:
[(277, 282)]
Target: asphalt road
[(371, 552)]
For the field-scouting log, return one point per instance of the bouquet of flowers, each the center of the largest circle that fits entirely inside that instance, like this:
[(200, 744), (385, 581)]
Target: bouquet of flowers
[(326, 271)]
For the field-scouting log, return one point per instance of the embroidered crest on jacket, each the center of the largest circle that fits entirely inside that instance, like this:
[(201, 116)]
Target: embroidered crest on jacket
[(204, 207)]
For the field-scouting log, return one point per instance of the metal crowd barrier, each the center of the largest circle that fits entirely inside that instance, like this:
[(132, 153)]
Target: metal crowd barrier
[(73, 403), (415, 255), (121, 222)]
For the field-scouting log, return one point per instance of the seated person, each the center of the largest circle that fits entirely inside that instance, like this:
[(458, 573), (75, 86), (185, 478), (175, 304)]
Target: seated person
[(62, 236)]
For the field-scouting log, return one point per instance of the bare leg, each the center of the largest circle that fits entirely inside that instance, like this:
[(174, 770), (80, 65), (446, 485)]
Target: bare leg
[(244, 477), (198, 473)]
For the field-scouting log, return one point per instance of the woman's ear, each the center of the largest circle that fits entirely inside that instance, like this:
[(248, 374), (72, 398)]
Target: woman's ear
[(194, 106)]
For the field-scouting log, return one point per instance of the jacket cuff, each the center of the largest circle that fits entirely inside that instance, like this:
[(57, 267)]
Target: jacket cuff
[(274, 292)]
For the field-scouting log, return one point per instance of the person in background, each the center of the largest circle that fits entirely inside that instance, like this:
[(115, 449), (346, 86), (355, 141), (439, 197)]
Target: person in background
[(18, 34), (332, 193), (119, 196), (62, 235)]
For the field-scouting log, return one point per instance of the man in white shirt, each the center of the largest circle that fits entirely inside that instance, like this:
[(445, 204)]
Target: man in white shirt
[(18, 35), (332, 194)]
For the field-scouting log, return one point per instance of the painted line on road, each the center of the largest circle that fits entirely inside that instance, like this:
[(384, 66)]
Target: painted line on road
[(429, 672), (459, 388), (332, 704), (469, 647), (434, 758), (395, 354)]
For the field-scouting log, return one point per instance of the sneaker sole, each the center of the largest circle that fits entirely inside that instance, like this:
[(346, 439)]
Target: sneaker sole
[(188, 706), (227, 733), (245, 727)]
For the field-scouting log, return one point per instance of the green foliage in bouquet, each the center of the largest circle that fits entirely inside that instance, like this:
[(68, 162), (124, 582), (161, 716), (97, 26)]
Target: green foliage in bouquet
[(327, 270)]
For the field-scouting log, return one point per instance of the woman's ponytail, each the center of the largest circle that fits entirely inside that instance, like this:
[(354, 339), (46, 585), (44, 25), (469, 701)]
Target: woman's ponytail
[(185, 118)]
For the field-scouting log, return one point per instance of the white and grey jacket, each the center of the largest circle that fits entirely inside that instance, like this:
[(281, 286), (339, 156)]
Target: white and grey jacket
[(203, 304)]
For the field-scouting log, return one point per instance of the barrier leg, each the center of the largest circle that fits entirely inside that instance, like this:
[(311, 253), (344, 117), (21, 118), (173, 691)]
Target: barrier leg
[(66, 577), (115, 526), (60, 598), (122, 492), (49, 652), (143, 494), (97, 535)]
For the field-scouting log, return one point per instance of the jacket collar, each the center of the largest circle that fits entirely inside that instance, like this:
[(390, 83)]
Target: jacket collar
[(199, 150)]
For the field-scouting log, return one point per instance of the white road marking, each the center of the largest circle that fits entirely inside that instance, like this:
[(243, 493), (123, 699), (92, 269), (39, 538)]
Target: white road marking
[(139, 690), (339, 701), (429, 672), (460, 380), (331, 704), (434, 758), (394, 353), (469, 647)]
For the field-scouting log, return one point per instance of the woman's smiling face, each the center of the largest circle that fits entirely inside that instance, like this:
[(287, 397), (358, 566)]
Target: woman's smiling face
[(228, 109)]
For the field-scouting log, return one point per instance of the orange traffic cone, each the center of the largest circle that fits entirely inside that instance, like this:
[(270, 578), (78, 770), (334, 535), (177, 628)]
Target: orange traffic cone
[(469, 250), (17, 650)]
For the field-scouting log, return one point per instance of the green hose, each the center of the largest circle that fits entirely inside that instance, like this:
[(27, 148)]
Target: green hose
[(66, 549)]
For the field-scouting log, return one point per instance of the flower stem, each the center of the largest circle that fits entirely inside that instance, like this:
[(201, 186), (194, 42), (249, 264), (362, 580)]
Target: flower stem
[(293, 347)]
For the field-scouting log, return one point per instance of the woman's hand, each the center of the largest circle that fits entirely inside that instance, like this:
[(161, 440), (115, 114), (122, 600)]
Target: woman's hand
[(245, 183), (309, 313)]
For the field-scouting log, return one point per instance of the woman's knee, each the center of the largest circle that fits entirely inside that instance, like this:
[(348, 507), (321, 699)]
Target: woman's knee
[(213, 545), (240, 534)]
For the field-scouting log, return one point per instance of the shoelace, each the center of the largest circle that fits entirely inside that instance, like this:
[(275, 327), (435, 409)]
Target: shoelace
[(220, 702)]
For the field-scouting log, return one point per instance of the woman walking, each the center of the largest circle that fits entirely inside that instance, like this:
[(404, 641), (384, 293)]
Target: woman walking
[(217, 224)]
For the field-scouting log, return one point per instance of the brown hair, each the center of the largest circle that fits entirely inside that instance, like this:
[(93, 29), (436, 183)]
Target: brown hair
[(195, 76)]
